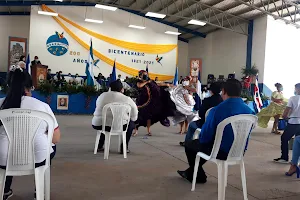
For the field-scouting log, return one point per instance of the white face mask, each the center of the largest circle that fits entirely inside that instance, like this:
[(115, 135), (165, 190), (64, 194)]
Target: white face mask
[(185, 83)]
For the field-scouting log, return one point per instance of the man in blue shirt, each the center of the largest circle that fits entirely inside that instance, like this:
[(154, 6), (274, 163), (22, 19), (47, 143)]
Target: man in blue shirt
[(232, 105)]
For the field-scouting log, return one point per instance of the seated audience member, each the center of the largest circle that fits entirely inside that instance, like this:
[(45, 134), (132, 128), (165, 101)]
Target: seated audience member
[(79, 80), (49, 76), (109, 78), (114, 96), (99, 77), (291, 112), (69, 78), (120, 78), (205, 93), (232, 105), (55, 77), (19, 96), (157, 81), (181, 80), (212, 101), (295, 159), (63, 80), (35, 61)]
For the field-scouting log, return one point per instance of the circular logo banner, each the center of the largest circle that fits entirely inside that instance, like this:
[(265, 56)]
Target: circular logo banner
[(57, 44)]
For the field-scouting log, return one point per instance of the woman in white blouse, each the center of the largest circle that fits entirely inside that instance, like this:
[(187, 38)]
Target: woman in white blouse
[(19, 96)]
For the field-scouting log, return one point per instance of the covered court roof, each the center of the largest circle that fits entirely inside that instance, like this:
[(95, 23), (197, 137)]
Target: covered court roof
[(232, 15)]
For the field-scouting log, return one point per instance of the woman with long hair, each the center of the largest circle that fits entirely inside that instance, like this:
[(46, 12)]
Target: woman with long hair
[(275, 109), (19, 96), (153, 102)]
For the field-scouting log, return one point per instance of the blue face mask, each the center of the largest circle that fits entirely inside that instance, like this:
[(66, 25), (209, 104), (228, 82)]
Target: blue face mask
[(295, 93), (280, 89)]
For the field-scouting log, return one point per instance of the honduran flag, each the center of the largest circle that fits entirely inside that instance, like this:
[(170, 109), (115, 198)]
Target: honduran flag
[(257, 99), (28, 68), (89, 69), (114, 73), (198, 93), (175, 82)]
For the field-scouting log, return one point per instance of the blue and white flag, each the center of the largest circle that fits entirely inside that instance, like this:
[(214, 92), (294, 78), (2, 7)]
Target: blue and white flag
[(89, 70), (28, 67), (198, 94), (175, 81), (114, 74), (199, 85)]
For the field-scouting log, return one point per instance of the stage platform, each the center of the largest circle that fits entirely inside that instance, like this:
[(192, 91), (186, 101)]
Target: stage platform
[(149, 173)]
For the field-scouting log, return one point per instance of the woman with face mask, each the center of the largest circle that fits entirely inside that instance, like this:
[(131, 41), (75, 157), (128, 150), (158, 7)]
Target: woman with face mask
[(153, 103), (275, 109), (184, 102)]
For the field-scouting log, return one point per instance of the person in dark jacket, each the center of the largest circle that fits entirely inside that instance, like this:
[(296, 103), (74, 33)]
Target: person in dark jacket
[(36, 61), (210, 102)]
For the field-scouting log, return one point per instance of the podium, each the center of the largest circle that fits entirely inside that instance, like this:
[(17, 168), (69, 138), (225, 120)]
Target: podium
[(38, 73)]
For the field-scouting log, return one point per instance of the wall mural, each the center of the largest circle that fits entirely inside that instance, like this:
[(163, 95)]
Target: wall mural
[(17, 47), (69, 42)]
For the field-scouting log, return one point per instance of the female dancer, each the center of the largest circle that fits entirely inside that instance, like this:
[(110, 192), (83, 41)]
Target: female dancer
[(184, 102), (153, 103), (275, 109)]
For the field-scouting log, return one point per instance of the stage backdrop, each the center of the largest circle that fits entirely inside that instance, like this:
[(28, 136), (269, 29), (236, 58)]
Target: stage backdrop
[(63, 42)]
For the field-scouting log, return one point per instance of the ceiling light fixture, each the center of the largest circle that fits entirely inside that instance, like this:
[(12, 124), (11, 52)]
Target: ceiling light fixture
[(94, 21), (111, 8), (137, 27), (156, 15), (47, 13), (59, 0), (196, 22), (172, 33)]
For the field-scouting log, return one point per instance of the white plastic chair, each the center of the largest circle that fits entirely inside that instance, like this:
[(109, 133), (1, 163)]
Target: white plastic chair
[(198, 130), (121, 115), (241, 126), (21, 126)]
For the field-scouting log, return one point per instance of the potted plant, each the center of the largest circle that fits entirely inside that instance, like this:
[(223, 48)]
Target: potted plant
[(89, 91), (265, 100), (248, 99), (46, 88), (250, 72)]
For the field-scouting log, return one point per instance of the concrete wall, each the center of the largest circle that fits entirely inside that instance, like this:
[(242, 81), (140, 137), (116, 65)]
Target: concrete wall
[(183, 58), (282, 56), (222, 52), (15, 26), (259, 45)]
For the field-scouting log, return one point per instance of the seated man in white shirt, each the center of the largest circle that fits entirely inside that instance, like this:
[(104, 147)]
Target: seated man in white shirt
[(292, 112), (69, 78), (112, 96), (79, 80)]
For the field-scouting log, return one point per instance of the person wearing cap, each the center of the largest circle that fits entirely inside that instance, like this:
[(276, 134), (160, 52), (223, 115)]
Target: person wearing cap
[(115, 95)]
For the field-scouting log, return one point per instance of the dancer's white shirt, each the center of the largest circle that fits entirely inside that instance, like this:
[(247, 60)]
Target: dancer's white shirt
[(112, 97), (40, 142)]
